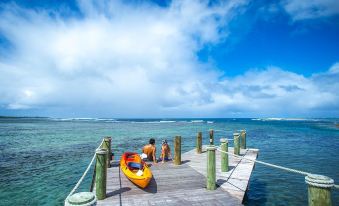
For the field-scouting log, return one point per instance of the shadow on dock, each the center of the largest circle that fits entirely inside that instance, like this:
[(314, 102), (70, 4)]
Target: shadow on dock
[(118, 192), (152, 187), (185, 161)]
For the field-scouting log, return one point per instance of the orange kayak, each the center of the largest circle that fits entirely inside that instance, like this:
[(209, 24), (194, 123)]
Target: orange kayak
[(135, 169)]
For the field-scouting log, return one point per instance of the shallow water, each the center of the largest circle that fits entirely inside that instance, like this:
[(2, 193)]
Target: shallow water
[(41, 159)]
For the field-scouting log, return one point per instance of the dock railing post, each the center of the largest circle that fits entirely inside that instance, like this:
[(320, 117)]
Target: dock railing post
[(107, 146), (211, 137), (236, 143), (319, 190), (101, 173), (211, 172), (177, 150), (199, 143), (224, 156), (243, 139)]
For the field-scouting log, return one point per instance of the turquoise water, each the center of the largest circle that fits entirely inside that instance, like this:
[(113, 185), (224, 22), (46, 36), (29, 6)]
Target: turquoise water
[(41, 159)]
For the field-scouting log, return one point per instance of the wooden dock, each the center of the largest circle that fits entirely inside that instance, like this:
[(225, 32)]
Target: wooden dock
[(184, 184)]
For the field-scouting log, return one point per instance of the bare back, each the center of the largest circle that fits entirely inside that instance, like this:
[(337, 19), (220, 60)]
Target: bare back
[(149, 150)]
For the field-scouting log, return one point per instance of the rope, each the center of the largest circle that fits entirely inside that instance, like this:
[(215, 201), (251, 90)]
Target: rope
[(268, 164), (82, 177), (85, 173), (320, 185), (276, 166)]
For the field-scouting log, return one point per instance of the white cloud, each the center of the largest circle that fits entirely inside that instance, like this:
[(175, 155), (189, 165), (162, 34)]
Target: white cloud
[(311, 9), (119, 57), (120, 60), (335, 68), (274, 91)]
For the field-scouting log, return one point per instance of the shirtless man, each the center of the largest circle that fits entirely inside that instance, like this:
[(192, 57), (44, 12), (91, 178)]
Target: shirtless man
[(150, 150)]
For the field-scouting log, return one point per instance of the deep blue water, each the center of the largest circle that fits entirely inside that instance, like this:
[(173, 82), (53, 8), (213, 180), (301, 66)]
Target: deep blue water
[(41, 159)]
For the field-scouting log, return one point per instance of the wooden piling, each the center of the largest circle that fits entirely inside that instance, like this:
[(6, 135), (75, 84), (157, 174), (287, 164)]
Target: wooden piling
[(101, 173), (211, 137), (224, 156), (243, 139), (319, 190), (177, 150), (236, 143), (107, 146), (211, 172), (81, 199), (199, 142)]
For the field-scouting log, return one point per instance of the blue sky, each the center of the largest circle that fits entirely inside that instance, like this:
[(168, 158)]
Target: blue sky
[(233, 58)]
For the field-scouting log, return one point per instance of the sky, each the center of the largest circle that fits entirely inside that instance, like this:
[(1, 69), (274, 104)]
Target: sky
[(167, 59)]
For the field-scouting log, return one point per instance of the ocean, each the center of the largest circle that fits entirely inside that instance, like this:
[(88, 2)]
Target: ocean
[(41, 159)]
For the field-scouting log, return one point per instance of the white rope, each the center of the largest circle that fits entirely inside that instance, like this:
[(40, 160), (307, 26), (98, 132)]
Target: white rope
[(82, 177), (268, 164), (85, 173), (276, 166), (320, 185)]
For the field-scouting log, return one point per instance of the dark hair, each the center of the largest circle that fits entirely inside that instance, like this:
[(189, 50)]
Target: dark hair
[(152, 141)]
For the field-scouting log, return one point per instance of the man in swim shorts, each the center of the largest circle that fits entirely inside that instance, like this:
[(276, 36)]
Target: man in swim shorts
[(150, 150)]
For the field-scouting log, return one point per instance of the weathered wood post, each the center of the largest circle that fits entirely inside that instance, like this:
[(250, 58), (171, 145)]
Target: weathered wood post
[(211, 172), (211, 137), (319, 190), (177, 150), (110, 153), (243, 139), (199, 142), (224, 156), (101, 173), (236, 143), (81, 198), (107, 146)]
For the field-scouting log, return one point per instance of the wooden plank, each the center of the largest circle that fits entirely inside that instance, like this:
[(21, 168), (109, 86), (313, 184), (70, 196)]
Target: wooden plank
[(182, 184)]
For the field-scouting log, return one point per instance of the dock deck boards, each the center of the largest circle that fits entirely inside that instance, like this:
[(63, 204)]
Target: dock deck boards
[(184, 184)]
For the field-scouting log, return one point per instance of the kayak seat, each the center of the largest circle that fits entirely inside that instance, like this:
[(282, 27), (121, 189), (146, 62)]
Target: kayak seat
[(134, 165)]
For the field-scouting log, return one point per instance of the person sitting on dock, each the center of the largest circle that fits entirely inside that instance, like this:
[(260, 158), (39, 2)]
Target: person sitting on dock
[(150, 150), (165, 152)]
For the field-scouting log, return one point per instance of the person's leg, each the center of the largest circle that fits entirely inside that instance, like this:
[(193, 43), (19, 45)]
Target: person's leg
[(150, 158)]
